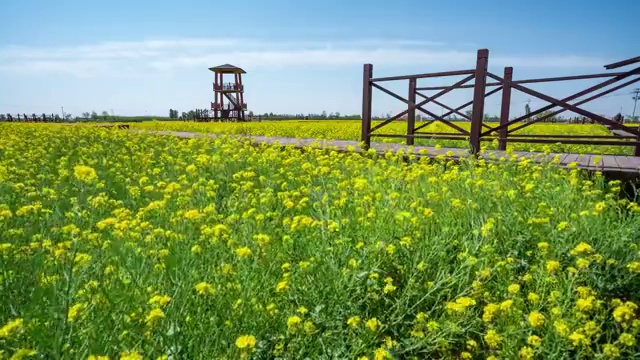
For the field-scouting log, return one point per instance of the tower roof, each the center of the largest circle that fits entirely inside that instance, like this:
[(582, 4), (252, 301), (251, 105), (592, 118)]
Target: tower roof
[(227, 68)]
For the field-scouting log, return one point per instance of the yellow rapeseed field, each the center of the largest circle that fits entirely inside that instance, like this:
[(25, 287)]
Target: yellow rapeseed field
[(121, 245), (350, 130)]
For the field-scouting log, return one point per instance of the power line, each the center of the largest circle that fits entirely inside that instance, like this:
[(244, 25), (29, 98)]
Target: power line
[(636, 92)]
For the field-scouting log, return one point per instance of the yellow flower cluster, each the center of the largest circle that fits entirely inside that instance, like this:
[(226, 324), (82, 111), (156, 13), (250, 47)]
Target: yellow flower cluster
[(155, 247)]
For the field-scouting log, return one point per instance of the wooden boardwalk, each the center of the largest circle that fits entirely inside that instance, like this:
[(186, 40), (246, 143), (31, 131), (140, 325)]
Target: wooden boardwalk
[(621, 133), (616, 165)]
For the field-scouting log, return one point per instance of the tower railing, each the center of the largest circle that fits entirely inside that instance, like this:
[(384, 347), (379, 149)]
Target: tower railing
[(228, 86), (216, 106)]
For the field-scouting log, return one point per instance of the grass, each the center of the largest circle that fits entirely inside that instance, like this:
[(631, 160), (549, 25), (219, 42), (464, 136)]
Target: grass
[(128, 246), (350, 130)]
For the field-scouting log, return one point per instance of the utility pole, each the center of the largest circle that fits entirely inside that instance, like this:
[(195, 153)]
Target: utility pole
[(62, 107), (635, 98)]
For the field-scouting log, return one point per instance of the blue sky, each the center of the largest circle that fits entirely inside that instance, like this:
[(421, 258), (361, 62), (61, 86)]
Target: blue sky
[(144, 57)]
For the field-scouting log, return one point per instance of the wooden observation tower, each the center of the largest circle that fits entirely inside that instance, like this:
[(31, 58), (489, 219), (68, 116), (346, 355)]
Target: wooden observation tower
[(228, 102)]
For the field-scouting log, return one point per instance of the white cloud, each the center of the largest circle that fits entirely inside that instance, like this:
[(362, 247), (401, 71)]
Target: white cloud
[(119, 58)]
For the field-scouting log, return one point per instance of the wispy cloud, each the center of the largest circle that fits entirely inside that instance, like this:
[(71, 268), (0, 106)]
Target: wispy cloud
[(125, 58)]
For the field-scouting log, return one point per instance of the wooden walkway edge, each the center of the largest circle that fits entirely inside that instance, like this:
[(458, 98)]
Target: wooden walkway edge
[(627, 166)]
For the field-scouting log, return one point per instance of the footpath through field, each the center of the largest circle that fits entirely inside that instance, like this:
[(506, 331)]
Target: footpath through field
[(614, 165)]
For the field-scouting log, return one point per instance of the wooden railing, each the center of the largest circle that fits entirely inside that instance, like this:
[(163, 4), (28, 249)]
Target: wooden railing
[(505, 131)]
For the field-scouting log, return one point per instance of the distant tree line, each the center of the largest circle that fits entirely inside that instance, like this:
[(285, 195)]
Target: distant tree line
[(312, 116), (193, 114)]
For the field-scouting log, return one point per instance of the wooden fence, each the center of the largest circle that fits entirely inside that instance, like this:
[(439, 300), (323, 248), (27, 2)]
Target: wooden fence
[(505, 131), (30, 118)]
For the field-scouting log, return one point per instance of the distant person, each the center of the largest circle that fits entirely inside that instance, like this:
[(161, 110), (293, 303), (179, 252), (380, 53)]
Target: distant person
[(618, 118)]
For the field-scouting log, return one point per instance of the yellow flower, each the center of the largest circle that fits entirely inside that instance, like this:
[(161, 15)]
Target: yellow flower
[(578, 339), (243, 252), (526, 353), (354, 321), (585, 305), (489, 312), (492, 339), (204, 288), (294, 322), (84, 173), (192, 214), (506, 305), (391, 249), (191, 169), (153, 316), (610, 351), (461, 304), (466, 355), (75, 310), (625, 313), (534, 340), (552, 266), (584, 291), (302, 310), (484, 273), (309, 328), (389, 288), (373, 324), (282, 286), (97, 357), (563, 225), (634, 267), (513, 288), (561, 327), (536, 319), (12, 326), (131, 356), (533, 298), (581, 248), (627, 339), (22, 353), (381, 353), (262, 239), (159, 300), (582, 263), (246, 342), (543, 246), (226, 269), (196, 249), (432, 326), (472, 344)]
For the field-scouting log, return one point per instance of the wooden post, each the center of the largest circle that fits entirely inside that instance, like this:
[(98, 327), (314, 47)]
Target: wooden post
[(215, 97), (478, 99), (411, 115), (241, 95), (367, 90), (504, 112), (221, 96)]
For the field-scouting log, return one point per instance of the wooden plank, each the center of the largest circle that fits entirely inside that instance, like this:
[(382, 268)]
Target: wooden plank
[(583, 161), (609, 162), (596, 162), (628, 163), (568, 158)]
